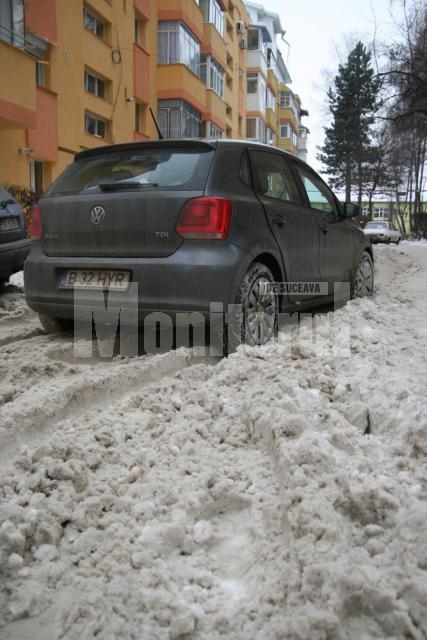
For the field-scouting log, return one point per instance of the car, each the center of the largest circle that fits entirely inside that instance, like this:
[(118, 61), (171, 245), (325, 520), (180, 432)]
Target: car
[(193, 222), (14, 243), (382, 232)]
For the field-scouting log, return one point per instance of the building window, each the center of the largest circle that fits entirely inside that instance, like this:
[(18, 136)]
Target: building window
[(95, 85), (95, 126), (40, 75), (176, 45), (270, 99), (212, 74), (138, 117), (269, 136), (139, 30), (285, 100), (253, 39), (178, 119), (211, 131), (252, 83), (251, 128), (93, 23), (12, 22), (37, 177), (213, 13), (284, 131)]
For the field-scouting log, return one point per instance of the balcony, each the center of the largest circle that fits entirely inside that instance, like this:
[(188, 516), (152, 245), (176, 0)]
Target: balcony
[(215, 109), (287, 114), (257, 61), (272, 81), (214, 44), (40, 18), (17, 89), (271, 119), (177, 81), (141, 74), (43, 140), (188, 12)]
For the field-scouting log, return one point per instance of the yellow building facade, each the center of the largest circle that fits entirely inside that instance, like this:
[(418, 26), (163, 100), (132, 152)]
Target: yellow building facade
[(79, 74)]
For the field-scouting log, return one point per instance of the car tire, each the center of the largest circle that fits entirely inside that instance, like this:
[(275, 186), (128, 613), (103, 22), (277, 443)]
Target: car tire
[(363, 280), (254, 318), (398, 241), (51, 325)]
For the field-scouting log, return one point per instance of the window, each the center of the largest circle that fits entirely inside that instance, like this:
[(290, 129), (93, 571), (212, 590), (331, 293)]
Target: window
[(253, 39), (139, 27), (178, 119), (251, 128), (270, 99), (285, 100), (93, 23), (284, 130), (269, 136), (262, 93), (37, 177), (12, 23), (40, 77), (176, 45), (245, 170), (94, 84), (210, 130), (138, 116), (318, 193), (252, 83), (213, 13), (273, 177), (95, 126), (212, 74)]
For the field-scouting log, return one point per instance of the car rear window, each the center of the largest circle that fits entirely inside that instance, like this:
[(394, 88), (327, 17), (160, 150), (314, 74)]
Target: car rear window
[(173, 169), (376, 225)]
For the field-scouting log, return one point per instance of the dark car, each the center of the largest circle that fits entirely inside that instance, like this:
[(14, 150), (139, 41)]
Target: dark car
[(193, 222), (14, 244)]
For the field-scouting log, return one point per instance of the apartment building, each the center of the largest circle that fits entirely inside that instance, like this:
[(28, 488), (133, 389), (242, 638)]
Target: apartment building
[(273, 111), (83, 73)]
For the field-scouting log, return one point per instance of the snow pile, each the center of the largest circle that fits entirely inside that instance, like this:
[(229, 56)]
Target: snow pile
[(278, 494)]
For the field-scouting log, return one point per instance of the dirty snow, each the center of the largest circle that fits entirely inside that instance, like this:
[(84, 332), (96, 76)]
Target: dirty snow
[(278, 494)]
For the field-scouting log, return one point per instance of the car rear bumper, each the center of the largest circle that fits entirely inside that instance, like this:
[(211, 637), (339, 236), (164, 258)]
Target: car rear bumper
[(12, 256), (188, 280)]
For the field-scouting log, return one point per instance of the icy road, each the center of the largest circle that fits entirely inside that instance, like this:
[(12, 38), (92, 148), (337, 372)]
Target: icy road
[(276, 494)]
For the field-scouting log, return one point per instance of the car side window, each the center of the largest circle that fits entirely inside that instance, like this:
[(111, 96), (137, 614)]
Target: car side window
[(245, 170), (273, 177), (318, 194)]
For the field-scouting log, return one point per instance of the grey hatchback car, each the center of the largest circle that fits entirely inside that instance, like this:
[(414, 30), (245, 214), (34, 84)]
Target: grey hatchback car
[(193, 222)]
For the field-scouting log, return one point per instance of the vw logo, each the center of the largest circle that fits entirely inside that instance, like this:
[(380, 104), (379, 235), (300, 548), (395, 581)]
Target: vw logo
[(97, 215)]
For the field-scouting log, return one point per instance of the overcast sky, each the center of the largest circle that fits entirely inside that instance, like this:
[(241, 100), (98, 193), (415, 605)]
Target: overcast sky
[(317, 33)]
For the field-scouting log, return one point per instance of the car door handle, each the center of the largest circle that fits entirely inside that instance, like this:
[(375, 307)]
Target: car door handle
[(324, 228), (279, 221)]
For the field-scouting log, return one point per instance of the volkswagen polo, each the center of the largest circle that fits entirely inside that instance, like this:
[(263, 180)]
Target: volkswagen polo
[(193, 222)]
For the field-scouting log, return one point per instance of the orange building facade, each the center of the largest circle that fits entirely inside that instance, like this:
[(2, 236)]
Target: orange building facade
[(79, 74)]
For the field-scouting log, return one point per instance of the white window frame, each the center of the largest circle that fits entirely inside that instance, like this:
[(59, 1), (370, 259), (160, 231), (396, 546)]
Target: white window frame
[(212, 74), (98, 27), (285, 99), (255, 137), (285, 127), (187, 47), (98, 121), (213, 14), (99, 81)]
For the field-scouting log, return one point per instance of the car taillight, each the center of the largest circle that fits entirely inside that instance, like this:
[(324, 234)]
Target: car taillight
[(205, 219), (36, 230)]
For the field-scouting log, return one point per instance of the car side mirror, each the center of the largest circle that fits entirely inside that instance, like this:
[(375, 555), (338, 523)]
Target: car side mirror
[(351, 210)]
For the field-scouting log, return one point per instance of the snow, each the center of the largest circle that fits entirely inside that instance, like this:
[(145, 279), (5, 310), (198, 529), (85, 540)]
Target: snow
[(278, 493)]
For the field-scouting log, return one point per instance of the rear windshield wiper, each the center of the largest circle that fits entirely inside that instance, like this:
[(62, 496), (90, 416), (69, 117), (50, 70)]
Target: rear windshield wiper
[(110, 186)]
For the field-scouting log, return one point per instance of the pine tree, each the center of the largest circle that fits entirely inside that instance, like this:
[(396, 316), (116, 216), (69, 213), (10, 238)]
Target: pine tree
[(353, 102)]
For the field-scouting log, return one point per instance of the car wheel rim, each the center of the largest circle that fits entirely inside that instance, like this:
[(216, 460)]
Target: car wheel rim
[(261, 312), (365, 278)]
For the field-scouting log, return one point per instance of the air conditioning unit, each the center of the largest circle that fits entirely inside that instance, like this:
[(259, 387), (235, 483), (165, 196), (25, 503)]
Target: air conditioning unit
[(240, 26), (243, 44)]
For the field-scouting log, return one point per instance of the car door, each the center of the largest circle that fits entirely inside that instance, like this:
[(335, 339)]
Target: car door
[(292, 223), (336, 249)]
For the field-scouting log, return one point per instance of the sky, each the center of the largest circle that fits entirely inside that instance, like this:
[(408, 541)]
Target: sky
[(317, 33)]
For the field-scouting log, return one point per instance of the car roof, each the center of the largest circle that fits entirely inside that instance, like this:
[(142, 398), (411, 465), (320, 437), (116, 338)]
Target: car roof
[(187, 143)]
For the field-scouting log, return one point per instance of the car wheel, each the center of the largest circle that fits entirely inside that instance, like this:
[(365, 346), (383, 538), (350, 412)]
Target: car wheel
[(398, 241), (55, 325), (364, 277), (255, 316)]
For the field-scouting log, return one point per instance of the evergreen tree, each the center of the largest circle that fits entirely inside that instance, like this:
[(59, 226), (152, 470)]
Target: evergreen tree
[(353, 101)]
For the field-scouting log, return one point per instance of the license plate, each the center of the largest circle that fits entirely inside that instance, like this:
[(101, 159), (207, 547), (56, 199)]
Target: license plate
[(9, 223), (95, 279)]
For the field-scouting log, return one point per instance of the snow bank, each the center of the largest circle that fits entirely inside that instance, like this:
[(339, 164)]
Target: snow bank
[(278, 494)]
